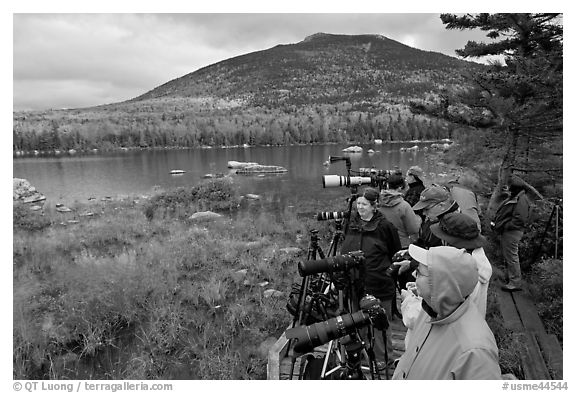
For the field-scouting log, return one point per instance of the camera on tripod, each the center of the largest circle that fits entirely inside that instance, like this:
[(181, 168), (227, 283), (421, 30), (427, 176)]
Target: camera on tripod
[(309, 337), (333, 264), (363, 176), (379, 177)]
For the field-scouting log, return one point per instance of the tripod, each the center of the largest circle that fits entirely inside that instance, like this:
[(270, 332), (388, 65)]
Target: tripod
[(315, 298), (555, 213), (348, 355)]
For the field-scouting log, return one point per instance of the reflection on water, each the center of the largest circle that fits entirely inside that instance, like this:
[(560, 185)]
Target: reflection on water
[(78, 178)]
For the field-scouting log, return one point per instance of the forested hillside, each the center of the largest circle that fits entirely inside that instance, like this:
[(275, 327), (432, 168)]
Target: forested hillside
[(327, 88)]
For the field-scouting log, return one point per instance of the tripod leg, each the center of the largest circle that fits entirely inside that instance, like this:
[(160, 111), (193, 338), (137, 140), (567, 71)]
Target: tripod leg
[(385, 339)]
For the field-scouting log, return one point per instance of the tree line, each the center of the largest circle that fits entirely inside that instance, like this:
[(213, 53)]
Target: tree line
[(224, 128)]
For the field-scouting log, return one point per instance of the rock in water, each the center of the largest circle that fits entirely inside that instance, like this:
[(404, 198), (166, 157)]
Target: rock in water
[(207, 215)]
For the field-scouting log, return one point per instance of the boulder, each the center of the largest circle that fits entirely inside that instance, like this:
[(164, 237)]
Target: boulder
[(272, 293), (63, 209), (291, 250), (240, 164), (207, 215), (23, 191), (252, 196), (353, 149), (254, 169)]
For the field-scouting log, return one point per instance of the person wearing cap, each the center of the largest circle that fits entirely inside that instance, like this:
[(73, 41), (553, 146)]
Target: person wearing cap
[(398, 211), (414, 177), (460, 231), (510, 222), (450, 339), (370, 232), (435, 201), (461, 192)]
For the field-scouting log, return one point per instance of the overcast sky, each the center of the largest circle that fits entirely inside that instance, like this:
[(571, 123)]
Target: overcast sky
[(79, 60)]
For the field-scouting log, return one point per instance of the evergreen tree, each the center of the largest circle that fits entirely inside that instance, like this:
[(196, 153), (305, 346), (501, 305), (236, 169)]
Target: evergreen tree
[(519, 100)]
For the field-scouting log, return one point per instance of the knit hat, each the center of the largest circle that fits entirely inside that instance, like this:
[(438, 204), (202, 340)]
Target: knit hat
[(431, 196), (459, 230), (371, 194), (415, 171), (396, 180)]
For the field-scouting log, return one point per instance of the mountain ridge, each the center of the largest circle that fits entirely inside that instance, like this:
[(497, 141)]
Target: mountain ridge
[(380, 53), (325, 88)]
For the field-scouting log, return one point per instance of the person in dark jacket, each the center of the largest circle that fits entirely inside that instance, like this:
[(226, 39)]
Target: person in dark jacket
[(398, 211), (369, 232), (414, 177), (510, 222), (435, 202)]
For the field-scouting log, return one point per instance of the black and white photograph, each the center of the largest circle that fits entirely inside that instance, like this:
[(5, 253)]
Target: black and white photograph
[(260, 195)]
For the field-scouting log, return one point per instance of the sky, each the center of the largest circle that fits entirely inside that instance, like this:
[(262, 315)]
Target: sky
[(63, 60)]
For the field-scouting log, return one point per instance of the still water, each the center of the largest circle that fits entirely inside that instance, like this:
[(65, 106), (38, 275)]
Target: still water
[(77, 178)]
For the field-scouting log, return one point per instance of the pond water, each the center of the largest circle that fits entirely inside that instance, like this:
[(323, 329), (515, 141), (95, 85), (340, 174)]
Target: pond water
[(69, 179)]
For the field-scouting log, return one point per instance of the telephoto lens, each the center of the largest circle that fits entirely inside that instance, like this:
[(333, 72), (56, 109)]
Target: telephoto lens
[(310, 337), (344, 181), (323, 216), (333, 264)]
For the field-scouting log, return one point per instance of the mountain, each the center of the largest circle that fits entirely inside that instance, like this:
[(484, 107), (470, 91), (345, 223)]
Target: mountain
[(327, 87), (324, 68)]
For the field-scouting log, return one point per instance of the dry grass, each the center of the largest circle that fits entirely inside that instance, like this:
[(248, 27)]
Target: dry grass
[(122, 295)]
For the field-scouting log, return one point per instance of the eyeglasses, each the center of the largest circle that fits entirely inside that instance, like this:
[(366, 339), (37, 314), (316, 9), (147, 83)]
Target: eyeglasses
[(418, 272)]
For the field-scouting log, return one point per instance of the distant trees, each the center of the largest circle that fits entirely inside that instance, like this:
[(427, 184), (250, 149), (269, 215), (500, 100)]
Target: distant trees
[(158, 128)]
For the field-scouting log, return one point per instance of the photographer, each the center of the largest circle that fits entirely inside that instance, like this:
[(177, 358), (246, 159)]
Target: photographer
[(414, 177), (450, 338), (461, 192), (378, 239), (510, 222), (434, 203), (398, 211)]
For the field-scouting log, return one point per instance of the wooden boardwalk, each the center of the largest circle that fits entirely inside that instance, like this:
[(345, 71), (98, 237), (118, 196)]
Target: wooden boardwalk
[(542, 354), (280, 360)]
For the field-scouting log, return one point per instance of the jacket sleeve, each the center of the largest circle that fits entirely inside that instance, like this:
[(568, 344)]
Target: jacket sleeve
[(520, 214), (411, 221), (394, 240), (478, 363)]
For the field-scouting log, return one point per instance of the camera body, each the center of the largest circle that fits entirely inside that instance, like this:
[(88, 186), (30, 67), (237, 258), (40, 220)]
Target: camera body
[(394, 270)]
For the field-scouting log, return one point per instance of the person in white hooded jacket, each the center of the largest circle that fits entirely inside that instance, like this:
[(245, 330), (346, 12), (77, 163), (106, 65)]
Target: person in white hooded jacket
[(460, 231), (450, 338)]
